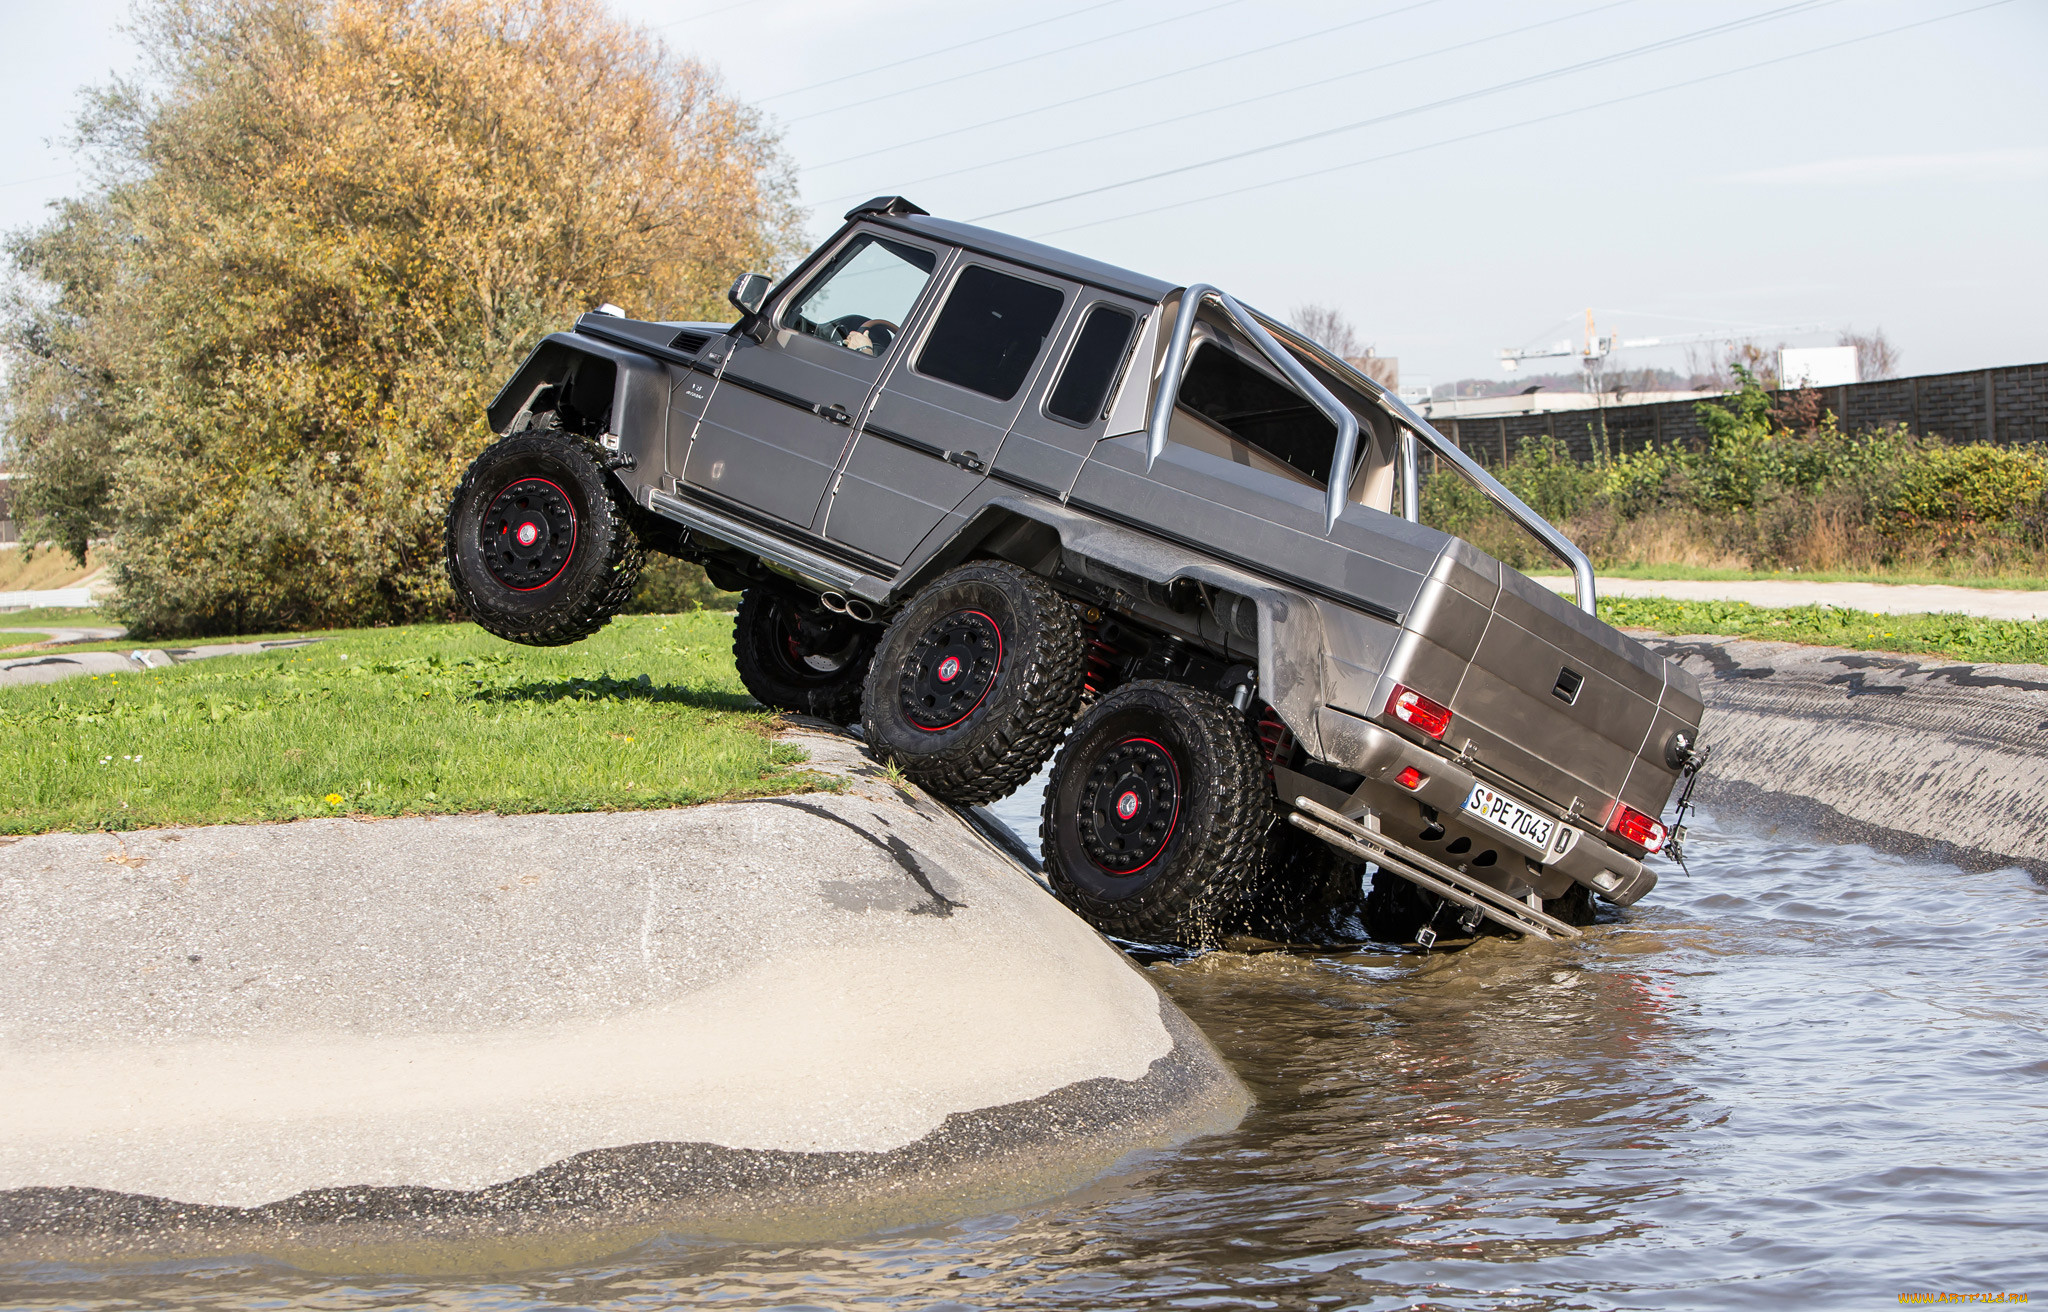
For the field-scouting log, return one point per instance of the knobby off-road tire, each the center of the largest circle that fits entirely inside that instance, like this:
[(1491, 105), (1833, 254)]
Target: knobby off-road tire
[(1306, 891), (975, 681), (540, 540), (795, 655), (1157, 814)]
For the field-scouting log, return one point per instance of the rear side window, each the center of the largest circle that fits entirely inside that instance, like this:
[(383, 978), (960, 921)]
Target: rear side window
[(990, 332), (1097, 357), (1259, 412)]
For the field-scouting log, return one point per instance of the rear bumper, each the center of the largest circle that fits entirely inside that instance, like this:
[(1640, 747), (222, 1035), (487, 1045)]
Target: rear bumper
[(1380, 755)]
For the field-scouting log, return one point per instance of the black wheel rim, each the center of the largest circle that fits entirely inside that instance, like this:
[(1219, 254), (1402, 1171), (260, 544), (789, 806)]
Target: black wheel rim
[(951, 668), (528, 534), (1130, 805), (814, 647)]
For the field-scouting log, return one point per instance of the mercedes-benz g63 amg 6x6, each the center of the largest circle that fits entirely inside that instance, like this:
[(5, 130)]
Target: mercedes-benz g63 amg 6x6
[(996, 501)]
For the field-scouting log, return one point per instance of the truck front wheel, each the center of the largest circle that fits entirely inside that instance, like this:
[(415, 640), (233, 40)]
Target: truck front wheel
[(1156, 815), (975, 681), (540, 541)]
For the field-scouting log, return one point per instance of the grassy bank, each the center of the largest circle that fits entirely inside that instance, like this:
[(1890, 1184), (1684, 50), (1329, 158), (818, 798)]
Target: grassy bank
[(380, 722), (1961, 637)]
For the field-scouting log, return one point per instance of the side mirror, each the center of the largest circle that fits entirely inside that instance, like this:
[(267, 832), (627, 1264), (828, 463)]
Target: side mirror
[(747, 294)]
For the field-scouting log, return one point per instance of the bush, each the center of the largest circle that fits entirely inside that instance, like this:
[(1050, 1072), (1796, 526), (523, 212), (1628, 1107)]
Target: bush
[(1966, 486), (1776, 485), (669, 586)]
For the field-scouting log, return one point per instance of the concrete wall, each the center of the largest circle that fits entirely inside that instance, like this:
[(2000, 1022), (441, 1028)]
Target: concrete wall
[(2004, 406)]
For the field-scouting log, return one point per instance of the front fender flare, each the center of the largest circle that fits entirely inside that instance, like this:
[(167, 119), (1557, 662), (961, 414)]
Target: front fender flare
[(639, 402)]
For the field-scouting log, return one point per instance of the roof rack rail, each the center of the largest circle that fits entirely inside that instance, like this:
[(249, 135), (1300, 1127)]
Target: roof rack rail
[(885, 205)]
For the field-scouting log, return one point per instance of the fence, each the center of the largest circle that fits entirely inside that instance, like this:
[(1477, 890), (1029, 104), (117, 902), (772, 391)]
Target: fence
[(2007, 407)]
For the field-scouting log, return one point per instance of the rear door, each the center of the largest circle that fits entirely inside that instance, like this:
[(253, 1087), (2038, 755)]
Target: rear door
[(784, 410), (935, 426)]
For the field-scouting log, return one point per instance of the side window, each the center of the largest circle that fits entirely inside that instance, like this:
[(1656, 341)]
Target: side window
[(1259, 420), (1100, 348), (990, 332), (862, 298)]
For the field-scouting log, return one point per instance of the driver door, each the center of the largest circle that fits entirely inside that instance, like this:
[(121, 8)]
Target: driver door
[(774, 431)]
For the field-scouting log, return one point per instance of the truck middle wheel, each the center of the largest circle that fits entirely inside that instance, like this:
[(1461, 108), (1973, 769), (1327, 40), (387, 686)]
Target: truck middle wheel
[(975, 681)]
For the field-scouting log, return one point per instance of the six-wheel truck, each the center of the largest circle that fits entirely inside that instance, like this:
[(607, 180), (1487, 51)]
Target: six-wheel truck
[(995, 501)]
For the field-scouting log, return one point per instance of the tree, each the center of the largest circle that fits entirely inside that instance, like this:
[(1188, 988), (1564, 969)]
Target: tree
[(1875, 357), (1330, 329), (321, 233)]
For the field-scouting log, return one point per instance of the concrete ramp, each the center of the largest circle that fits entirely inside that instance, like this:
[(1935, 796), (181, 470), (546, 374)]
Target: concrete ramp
[(1927, 757), (487, 1041)]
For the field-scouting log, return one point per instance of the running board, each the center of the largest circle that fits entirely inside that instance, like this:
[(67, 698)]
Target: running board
[(1426, 871)]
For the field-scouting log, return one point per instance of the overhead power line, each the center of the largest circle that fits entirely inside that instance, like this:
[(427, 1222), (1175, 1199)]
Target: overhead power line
[(46, 177), (1125, 86), (1238, 104), (1521, 123), (946, 50), (708, 13), (1668, 43), (1043, 54)]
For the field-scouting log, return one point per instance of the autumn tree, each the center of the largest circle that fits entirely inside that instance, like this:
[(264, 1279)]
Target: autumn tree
[(320, 234)]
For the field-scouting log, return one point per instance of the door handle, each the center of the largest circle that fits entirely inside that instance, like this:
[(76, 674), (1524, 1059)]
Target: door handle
[(968, 460), (835, 412)]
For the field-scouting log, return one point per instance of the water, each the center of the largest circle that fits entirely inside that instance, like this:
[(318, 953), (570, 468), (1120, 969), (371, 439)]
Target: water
[(1804, 1075)]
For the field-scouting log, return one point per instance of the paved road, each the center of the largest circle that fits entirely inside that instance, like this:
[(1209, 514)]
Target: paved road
[(67, 633), (50, 666), (1879, 598)]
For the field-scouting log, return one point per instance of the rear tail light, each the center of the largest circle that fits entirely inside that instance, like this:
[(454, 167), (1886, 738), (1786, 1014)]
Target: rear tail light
[(1646, 832), (1412, 708), (1411, 778)]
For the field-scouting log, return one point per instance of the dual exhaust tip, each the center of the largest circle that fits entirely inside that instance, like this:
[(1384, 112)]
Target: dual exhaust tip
[(841, 604)]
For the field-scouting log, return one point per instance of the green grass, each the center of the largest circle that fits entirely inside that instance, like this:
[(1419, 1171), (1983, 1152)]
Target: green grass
[(21, 639), (1963, 637), (434, 719), (2014, 582), (86, 616)]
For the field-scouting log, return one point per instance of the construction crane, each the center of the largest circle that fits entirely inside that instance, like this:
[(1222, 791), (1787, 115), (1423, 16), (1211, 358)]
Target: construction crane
[(1596, 348)]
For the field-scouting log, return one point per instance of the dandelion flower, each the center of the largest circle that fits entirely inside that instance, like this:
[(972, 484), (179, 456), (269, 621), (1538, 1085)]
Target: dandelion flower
[(333, 799)]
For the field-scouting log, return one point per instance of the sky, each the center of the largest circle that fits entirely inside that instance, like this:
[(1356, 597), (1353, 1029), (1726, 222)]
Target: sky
[(1456, 176)]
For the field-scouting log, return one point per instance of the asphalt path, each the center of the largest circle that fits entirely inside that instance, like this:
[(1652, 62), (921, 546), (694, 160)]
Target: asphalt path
[(50, 666), (1877, 598)]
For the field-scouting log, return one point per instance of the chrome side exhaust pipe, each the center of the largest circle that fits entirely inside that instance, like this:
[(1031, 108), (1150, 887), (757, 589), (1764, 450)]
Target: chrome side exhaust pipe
[(860, 610), (834, 602)]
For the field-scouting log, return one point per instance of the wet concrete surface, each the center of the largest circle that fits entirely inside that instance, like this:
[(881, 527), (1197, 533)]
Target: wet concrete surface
[(1914, 754), (1800, 1075)]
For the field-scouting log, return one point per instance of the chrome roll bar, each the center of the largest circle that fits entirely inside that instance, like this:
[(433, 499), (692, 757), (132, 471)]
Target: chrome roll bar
[(1518, 510), (1261, 330), (1161, 419)]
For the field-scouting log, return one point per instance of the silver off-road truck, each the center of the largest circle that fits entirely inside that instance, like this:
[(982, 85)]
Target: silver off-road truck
[(993, 501)]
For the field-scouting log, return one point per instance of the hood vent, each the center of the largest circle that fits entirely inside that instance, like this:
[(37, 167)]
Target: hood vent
[(688, 342)]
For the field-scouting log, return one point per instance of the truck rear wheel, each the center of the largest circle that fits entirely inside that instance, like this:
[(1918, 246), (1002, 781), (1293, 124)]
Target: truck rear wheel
[(540, 541), (795, 655), (1156, 815), (975, 681)]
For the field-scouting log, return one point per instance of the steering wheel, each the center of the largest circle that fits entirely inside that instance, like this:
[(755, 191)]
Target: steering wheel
[(880, 332)]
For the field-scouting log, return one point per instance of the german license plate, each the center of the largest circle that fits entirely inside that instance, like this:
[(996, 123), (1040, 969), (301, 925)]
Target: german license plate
[(1494, 807)]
